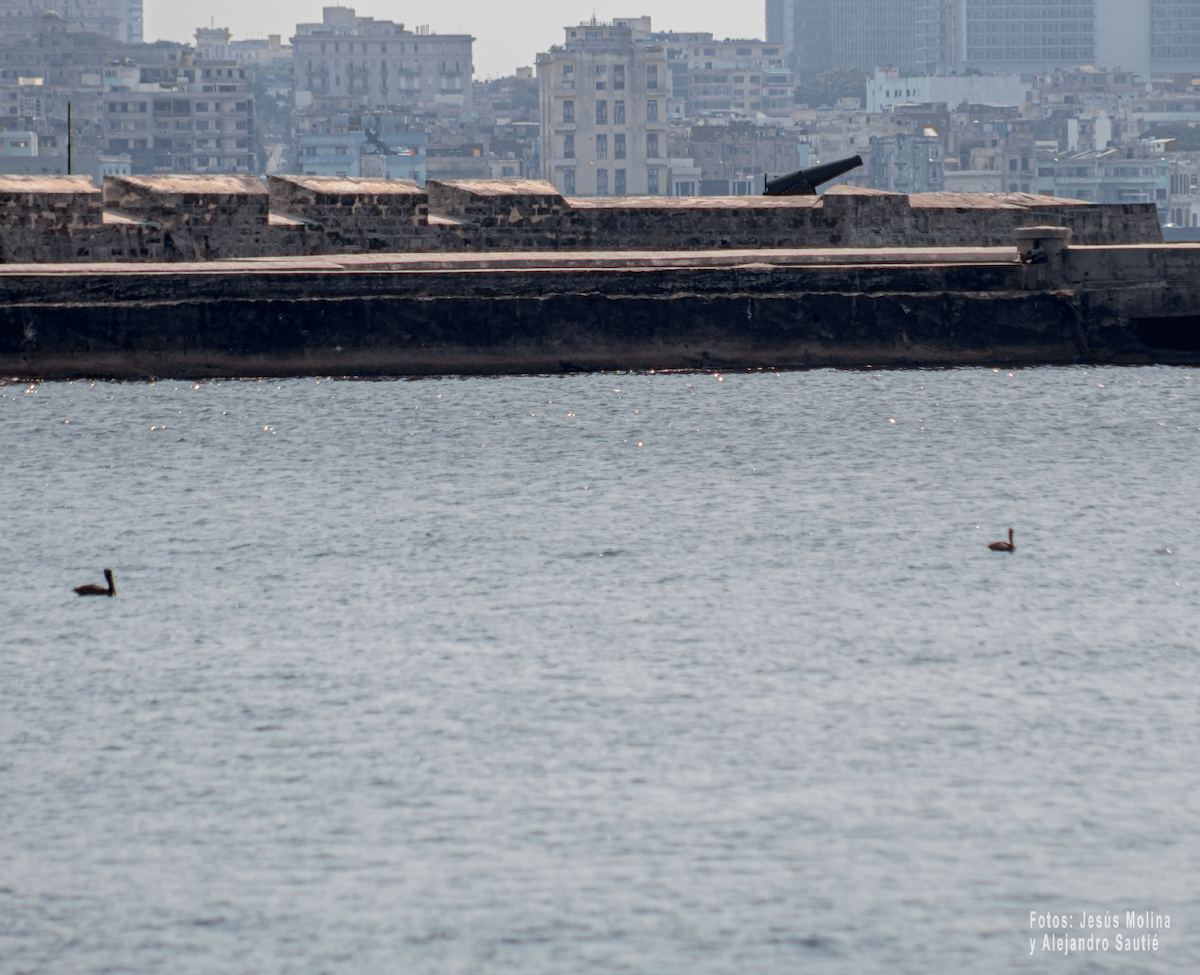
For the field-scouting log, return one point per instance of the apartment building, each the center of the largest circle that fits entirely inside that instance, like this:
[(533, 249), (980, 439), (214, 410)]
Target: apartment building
[(887, 88), (1133, 174), (742, 77), (269, 51), (183, 116), (911, 162), (1184, 191), (120, 20), (40, 76), (349, 64), (603, 100), (367, 144)]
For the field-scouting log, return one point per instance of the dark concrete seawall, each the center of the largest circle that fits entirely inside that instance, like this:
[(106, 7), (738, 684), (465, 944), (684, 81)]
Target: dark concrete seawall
[(515, 313)]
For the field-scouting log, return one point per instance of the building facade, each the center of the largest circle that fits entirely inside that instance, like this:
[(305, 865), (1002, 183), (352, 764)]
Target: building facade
[(40, 76), (1175, 35), (349, 64), (120, 20), (1184, 196), (1028, 34), (744, 77), (183, 116), (830, 35), (924, 37), (1129, 175), (603, 99), (907, 163), (888, 88), (372, 144)]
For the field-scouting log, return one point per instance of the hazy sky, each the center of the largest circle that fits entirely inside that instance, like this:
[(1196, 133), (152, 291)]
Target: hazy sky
[(508, 34)]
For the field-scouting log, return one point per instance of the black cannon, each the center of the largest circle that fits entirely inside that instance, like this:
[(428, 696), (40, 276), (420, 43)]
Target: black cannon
[(804, 182)]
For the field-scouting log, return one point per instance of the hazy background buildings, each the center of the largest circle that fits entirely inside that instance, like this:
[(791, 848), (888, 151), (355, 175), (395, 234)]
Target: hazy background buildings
[(1092, 99)]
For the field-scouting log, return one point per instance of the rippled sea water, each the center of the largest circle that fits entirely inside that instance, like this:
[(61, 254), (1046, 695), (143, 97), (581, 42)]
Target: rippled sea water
[(604, 673)]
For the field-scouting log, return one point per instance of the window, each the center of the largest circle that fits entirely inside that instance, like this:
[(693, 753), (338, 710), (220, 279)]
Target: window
[(601, 147), (569, 182), (618, 77), (568, 111), (602, 182), (619, 182), (652, 111), (652, 146), (652, 182), (602, 113), (618, 113), (651, 77), (619, 147), (569, 146)]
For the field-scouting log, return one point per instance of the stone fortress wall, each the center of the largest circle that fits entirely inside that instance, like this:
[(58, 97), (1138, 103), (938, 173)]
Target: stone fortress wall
[(198, 218)]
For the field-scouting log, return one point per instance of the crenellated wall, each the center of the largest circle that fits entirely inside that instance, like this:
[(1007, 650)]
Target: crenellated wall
[(197, 218)]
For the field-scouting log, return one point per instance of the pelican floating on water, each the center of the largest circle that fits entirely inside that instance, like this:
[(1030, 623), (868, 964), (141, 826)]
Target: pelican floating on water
[(1004, 546), (94, 590)]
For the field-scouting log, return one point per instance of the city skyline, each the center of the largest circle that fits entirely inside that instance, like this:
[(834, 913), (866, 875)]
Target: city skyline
[(503, 42)]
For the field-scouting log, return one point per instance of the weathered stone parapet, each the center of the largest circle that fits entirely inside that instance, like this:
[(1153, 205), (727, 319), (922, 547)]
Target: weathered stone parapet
[(49, 202), (350, 204), (43, 218), (190, 202), (505, 214), (351, 215), (196, 218), (183, 217), (497, 203)]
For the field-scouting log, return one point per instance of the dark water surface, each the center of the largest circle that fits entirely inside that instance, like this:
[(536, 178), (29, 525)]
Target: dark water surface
[(616, 673)]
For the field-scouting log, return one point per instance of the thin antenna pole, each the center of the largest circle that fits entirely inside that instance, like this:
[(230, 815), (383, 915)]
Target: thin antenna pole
[(70, 159)]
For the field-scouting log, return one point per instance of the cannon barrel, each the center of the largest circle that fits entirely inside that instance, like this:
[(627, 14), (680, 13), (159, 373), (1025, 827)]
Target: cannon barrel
[(804, 182)]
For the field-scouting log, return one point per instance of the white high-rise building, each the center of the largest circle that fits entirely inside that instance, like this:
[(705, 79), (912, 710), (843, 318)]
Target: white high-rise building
[(1146, 37)]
